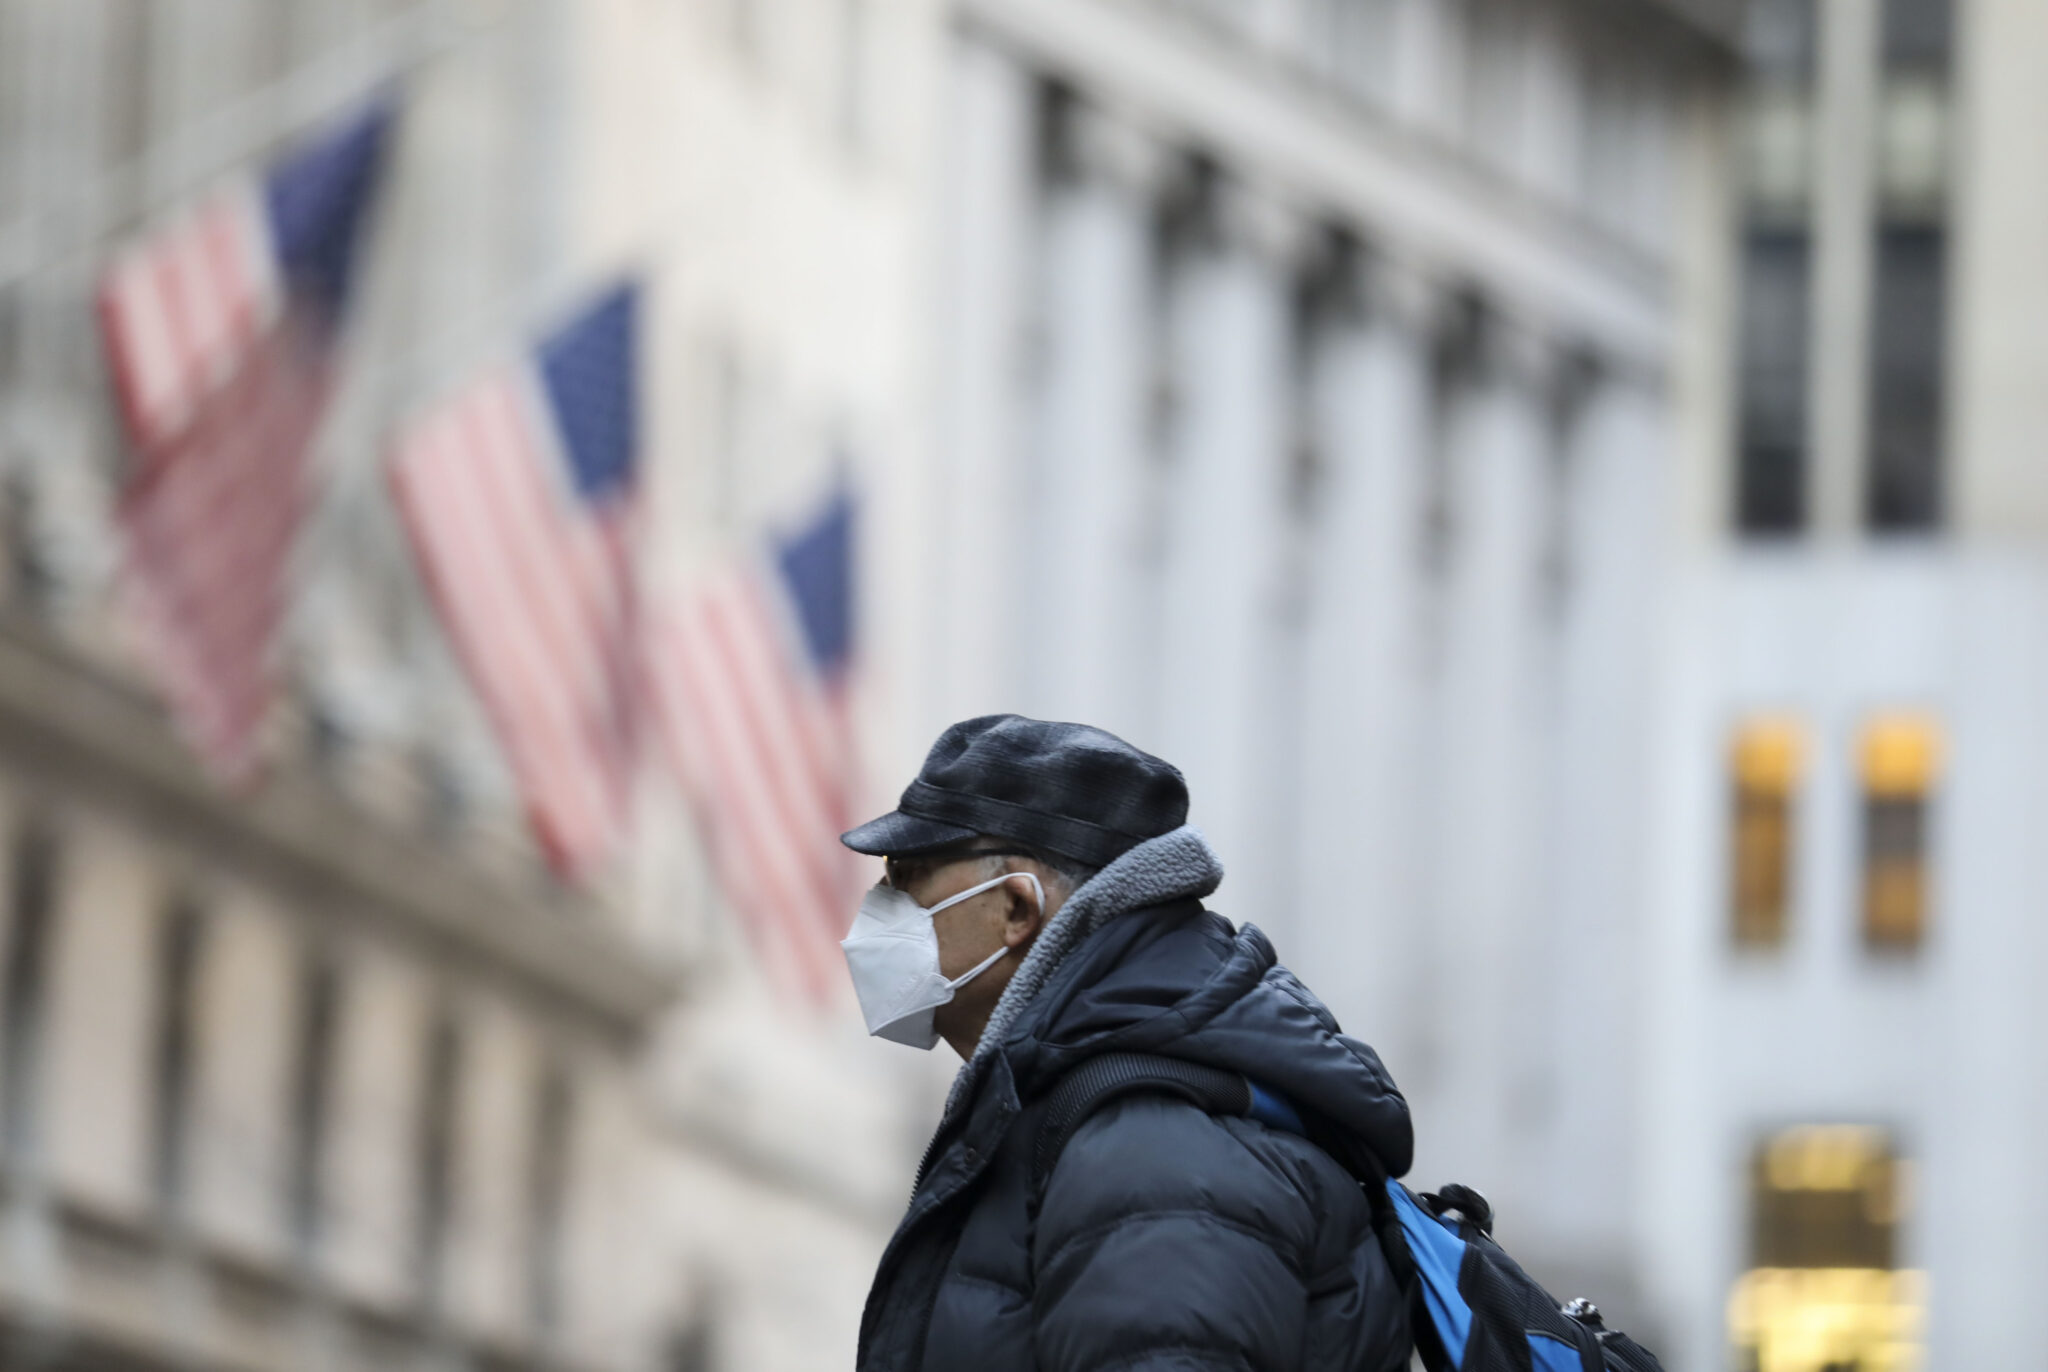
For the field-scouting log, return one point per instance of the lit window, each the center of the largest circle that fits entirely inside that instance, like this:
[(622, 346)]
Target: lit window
[(1900, 757), (1825, 1290), (1766, 762)]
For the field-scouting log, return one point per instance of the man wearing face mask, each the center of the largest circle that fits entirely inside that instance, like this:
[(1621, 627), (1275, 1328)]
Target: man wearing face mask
[(1041, 906)]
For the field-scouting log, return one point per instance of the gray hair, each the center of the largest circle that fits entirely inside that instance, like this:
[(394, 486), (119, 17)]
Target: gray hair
[(1067, 875)]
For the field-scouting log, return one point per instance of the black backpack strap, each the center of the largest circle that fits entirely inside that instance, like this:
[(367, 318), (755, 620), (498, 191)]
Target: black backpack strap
[(1100, 1080)]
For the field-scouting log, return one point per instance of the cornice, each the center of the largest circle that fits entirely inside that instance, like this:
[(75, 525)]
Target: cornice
[(78, 730)]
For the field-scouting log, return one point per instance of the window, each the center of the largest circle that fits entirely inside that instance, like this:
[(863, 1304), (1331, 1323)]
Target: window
[(1767, 760), (1909, 286), (1776, 251), (1824, 1291), (178, 950), (32, 902), (547, 1197), (435, 1159), (1900, 757), (312, 1088)]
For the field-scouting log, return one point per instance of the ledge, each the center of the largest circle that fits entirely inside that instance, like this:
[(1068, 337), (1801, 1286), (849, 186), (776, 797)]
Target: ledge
[(1434, 210), (80, 729), (106, 1307)]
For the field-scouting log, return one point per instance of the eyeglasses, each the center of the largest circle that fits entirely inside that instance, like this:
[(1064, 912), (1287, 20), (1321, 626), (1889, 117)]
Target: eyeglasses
[(900, 871)]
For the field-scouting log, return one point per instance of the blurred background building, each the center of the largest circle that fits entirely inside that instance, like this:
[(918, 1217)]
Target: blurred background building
[(1560, 476), (1311, 421), (1841, 946), (334, 1073)]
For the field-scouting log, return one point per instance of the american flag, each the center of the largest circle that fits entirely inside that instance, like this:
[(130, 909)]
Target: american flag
[(749, 682), (518, 494), (221, 333)]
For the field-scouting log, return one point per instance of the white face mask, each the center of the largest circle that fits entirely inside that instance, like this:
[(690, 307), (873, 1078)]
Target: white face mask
[(892, 954)]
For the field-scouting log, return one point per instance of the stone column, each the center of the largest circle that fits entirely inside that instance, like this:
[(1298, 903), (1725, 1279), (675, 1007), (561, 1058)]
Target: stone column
[(1582, 950), (1356, 846), (1480, 724), (1090, 432), (964, 637), (1226, 338)]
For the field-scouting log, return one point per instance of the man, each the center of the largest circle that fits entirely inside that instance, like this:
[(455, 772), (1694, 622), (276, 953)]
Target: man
[(1040, 905)]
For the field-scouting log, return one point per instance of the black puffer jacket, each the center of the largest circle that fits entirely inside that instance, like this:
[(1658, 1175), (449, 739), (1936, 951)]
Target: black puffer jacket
[(1167, 1239)]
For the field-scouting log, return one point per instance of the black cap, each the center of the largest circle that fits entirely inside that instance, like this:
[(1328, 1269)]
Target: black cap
[(1068, 789)]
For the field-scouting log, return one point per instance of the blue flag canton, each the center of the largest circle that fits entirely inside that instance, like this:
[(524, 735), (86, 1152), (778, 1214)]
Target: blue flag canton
[(589, 370), (817, 566), (317, 199)]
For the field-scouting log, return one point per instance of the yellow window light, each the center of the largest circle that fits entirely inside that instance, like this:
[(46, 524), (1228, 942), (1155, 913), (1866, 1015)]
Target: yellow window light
[(1824, 1291), (1901, 754), (1824, 1157), (1901, 758), (1767, 758), (1770, 754), (1813, 1319)]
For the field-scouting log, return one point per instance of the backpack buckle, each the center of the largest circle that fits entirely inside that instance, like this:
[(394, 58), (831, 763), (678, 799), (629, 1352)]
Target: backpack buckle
[(1464, 1201)]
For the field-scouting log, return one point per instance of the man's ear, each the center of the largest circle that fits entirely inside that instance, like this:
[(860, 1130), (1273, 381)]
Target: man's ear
[(1022, 917)]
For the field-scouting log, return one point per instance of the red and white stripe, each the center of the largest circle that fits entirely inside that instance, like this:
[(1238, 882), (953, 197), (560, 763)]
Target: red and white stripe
[(765, 756), (536, 592), (181, 308), (222, 395)]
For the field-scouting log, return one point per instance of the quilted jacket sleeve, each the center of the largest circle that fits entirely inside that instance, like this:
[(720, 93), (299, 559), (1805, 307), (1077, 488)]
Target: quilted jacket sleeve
[(1169, 1241)]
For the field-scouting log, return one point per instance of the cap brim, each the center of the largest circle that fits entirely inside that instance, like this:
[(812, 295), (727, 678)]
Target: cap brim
[(897, 835)]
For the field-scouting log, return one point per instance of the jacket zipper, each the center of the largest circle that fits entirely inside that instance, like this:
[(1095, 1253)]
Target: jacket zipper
[(924, 1165)]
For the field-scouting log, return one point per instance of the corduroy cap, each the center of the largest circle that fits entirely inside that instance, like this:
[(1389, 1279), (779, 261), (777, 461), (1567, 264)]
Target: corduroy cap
[(1069, 789)]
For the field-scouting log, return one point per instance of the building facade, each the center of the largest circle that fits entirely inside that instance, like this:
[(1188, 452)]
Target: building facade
[(1845, 943), (1313, 415), (332, 1073), (1561, 478), (324, 1074), (1563, 481)]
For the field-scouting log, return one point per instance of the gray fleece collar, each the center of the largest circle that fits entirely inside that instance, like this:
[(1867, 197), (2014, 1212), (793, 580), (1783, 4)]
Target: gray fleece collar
[(1173, 866)]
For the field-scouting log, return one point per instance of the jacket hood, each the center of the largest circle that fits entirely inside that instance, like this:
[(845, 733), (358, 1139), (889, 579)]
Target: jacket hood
[(1173, 978)]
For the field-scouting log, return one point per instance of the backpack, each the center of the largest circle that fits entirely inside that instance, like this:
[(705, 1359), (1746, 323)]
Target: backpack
[(1471, 1307)]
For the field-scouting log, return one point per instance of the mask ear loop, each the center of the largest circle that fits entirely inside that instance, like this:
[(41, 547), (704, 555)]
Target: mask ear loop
[(971, 973), (997, 955), (992, 882)]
